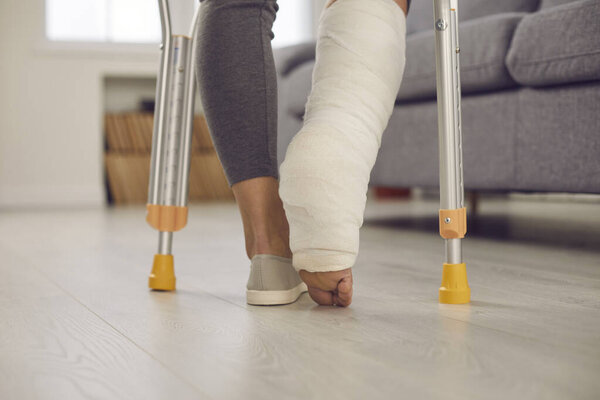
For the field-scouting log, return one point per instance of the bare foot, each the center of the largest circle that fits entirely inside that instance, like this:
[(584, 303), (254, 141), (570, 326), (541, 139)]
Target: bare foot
[(329, 288)]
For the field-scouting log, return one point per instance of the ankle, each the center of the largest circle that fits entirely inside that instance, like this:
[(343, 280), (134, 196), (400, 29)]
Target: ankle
[(266, 229), (277, 245)]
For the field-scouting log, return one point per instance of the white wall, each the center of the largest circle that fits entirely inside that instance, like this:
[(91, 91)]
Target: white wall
[(51, 110)]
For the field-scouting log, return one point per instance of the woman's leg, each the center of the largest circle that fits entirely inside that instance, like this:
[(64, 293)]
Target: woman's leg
[(324, 177), (238, 86), (266, 229)]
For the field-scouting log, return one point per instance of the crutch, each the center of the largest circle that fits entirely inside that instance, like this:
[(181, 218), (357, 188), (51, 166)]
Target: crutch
[(452, 214), (171, 143)]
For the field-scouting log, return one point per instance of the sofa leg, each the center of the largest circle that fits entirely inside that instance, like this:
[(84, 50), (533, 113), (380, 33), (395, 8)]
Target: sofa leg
[(473, 202)]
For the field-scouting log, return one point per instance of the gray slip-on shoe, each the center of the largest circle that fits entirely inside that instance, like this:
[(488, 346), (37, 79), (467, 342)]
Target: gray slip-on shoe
[(273, 280)]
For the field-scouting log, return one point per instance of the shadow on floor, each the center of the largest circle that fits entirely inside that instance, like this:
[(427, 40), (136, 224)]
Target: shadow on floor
[(567, 234)]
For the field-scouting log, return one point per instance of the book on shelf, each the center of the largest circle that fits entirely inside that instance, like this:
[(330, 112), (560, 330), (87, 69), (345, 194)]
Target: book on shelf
[(132, 132), (127, 160), (128, 175)]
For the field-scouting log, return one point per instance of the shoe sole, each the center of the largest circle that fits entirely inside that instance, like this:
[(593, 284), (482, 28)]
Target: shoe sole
[(274, 297)]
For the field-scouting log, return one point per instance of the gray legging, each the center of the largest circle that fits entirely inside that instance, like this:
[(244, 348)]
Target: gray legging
[(238, 85)]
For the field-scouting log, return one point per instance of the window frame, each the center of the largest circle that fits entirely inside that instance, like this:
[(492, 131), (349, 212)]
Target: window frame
[(110, 49)]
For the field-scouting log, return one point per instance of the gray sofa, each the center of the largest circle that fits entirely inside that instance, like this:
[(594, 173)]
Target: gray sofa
[(530, 73)]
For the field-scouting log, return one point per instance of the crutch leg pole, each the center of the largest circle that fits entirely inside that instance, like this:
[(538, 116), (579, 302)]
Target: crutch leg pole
[(171, 143), (452, 214)]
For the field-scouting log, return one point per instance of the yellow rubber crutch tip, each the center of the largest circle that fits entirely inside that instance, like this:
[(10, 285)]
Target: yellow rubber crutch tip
[(162, 276), (455, 288)]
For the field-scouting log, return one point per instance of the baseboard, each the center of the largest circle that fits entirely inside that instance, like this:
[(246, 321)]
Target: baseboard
[(44, 196)]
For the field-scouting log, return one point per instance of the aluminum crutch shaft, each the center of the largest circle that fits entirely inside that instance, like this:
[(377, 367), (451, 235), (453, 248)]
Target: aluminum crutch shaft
[(452, 215), (171, 144)]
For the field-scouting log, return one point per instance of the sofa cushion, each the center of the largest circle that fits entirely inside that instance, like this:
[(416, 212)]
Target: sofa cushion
[(528, 139), (471, 9), (420, 17), (554, 3), (409, 148), (557, 45), (484, 43), (557, 144)]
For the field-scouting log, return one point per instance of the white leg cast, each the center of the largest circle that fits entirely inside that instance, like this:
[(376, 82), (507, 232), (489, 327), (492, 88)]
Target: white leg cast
[(324, 179)]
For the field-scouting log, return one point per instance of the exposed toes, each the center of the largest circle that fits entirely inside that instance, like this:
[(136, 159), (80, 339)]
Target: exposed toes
[(343, 294), (321, 297), (329, 288)]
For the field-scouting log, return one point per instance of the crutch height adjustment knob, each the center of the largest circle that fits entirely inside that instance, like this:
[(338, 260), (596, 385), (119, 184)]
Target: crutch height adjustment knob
[(441, 25), (453, 223)]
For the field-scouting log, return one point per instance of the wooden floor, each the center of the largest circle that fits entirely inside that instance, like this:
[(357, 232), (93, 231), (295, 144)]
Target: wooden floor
[(77, 320)]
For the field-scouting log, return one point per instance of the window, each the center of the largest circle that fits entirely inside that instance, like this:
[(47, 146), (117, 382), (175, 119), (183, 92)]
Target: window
[(293, 24), (131, 21), (138, 21)]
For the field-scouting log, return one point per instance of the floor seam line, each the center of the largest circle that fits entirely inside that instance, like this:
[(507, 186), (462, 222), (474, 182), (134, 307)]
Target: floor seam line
[(69, 294)]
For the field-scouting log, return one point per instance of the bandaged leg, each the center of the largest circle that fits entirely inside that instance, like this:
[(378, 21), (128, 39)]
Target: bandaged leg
[(324, 177)]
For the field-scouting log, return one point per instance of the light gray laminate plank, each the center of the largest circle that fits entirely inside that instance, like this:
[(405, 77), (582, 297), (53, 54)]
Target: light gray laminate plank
[(230, 353), (396, 319), (52, 347), (515, 296), (544, 285), (395, 338), (215, 343), (523, 300)]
